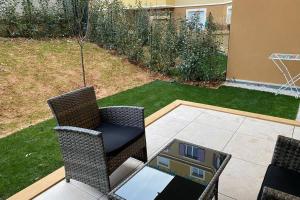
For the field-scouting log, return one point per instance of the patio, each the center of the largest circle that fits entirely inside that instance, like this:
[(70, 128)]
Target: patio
[(249, 137)]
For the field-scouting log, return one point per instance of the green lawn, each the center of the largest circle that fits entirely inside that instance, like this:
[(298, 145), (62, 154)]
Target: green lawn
[(32, 153)]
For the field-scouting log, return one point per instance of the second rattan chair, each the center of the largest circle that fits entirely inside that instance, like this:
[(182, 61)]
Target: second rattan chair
[(96, 141), (282, 179)]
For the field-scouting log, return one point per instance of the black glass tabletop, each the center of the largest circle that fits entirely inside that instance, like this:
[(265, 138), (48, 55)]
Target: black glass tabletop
[(180, 171)]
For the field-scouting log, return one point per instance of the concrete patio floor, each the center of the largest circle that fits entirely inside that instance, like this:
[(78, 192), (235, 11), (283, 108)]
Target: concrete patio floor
[(250, 141)]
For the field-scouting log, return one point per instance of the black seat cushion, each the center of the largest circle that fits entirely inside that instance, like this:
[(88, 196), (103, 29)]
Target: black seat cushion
[(281, 179), (116, 137)]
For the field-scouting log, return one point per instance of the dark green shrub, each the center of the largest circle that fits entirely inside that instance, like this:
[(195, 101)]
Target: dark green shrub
[(169, 47), (9, 25), (155, 48), (35, 20), (135, 48), (178, 48), (199, 52), (142, 24)]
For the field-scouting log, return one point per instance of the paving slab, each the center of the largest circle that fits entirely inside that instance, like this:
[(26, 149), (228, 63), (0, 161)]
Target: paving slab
[(241, 179), (205, 135), (296, 133), (265, 129), (220, 120), (186, 113), (167, 126), (252, 149)]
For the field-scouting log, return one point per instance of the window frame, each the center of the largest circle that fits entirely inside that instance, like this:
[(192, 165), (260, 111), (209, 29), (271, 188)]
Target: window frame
[(162, 164), (197, 10), (193, 150), (191, 173), (228, 20)]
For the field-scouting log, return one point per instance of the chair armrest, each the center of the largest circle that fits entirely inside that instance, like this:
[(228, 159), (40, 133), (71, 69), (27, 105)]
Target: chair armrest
[(272, 194), (84, 156), (123, 115), (74, 129), (287, 153)]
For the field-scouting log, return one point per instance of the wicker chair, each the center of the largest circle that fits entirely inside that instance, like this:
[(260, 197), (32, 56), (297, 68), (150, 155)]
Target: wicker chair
[(282, 179), (94, 142)]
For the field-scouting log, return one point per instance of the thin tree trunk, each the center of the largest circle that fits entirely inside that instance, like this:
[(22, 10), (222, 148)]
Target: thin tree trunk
[(82, 62)]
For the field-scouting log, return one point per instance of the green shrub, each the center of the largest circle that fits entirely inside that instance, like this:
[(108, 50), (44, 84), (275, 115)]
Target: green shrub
[(9, 25), (155, 49), (169, 47), (178, 48), (199, 52), (35, 20)]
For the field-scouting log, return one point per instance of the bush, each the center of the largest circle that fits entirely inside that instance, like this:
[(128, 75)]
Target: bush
[(169, 50), (22, 18), (178, 48), (155, 49), (8, 19), (199, 52)]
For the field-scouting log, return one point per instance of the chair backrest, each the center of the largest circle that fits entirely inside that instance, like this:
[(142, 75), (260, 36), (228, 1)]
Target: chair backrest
[(287, 153), (78, 108)]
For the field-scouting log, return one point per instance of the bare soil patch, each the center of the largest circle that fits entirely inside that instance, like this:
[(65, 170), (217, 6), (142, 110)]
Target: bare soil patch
[(32, 71)]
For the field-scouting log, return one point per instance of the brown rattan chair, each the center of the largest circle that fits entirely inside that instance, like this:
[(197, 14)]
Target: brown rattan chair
[(96, 141), (282, 179)]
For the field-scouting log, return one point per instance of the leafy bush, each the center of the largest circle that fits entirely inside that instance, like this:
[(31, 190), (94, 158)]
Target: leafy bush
[(156, 57), (8, 20), (22, 18), (199, 52), (179, 48), (169, 50)]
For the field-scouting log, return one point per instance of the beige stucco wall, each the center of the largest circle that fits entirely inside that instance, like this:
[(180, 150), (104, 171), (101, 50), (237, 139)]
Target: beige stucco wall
[(259, 28), (151, 3), (219, 12), (185, 3), (176, 3)]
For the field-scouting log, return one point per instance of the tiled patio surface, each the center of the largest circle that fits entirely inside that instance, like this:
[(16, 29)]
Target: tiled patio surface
[(250, 141)]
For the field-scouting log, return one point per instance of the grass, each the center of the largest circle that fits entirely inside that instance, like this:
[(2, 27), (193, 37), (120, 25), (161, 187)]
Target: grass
[(31, 71), (32, 153)]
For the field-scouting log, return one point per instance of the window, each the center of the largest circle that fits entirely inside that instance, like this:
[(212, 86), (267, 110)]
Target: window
[(166, 149), (229, 12), (197, 172), (216, 161), (162, 161), (192, 152), (199, 14)]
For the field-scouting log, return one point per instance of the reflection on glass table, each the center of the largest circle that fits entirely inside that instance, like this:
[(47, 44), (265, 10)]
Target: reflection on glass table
[(180, 171)]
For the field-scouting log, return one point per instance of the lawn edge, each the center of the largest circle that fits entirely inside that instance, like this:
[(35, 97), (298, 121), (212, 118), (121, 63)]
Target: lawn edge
[(50, 180)]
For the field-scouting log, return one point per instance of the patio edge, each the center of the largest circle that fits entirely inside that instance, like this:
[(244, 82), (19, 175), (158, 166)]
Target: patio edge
[(40, 186), (239, 112), (50, 180)]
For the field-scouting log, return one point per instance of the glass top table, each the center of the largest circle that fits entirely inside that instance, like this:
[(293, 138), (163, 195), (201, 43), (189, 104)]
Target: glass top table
[(180, 171)]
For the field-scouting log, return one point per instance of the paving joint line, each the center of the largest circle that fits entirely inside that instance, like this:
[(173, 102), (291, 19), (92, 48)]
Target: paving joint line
[(235, 133)]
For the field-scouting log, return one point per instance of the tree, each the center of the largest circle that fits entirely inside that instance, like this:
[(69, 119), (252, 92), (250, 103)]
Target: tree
[(79, 21)]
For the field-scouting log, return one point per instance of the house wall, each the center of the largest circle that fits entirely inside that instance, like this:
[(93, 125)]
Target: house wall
[(185, 3), (176, 3), (219, 12), (218, 8), (182, 169), (151, 3), (259, 28)]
